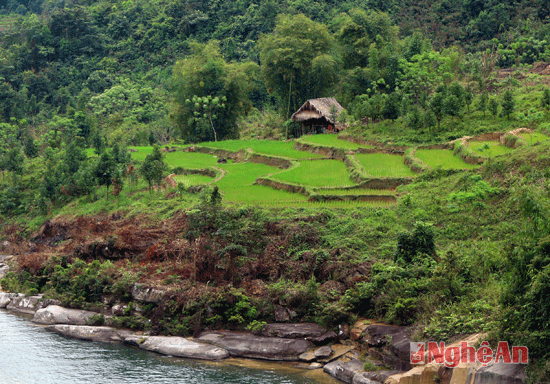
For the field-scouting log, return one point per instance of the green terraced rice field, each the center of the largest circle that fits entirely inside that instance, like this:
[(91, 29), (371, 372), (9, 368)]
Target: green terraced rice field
[(193, 179), (331, 140), (495, 149), (442, 157), (532, 138), (237, 186), (265, 147), (356, 192), (318, 173), (384, 165)]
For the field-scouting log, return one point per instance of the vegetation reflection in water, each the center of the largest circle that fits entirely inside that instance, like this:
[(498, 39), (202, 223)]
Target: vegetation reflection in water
[(32, 355)]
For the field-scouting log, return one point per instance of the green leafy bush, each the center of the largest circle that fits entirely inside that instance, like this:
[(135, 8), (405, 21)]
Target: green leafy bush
[(419, 241)]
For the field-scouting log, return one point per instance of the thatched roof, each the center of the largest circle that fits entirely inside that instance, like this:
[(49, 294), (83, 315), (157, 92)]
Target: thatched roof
[(316, 109)]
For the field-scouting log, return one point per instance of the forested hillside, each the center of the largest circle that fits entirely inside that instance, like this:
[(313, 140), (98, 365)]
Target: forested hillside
[(457, 243)]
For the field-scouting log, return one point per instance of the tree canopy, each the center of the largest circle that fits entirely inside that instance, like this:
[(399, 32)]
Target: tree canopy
[(210, 94), (298, 60)]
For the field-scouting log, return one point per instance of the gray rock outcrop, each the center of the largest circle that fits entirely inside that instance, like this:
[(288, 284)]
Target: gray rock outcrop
[(323, 352), (181, 347), (293, 331), (344, 371), (6, 298), (308, 356), (54, 314), (395, 339), (258, 347), (25, 304), (84, 332), (501, 373)]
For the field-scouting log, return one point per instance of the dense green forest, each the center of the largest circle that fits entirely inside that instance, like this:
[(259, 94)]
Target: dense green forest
[(121, 70), (459, 252)]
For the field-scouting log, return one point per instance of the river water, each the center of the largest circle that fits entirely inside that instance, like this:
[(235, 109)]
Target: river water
[(29, 354)]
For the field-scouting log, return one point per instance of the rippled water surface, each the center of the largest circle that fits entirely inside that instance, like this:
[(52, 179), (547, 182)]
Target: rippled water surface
[(29, 354)]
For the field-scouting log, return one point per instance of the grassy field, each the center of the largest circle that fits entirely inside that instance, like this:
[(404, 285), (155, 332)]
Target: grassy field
[(265, 147), (495, 149), (331, 140), (318, 173), (383, 165), (356, 192), (535, 137), (442, 157)]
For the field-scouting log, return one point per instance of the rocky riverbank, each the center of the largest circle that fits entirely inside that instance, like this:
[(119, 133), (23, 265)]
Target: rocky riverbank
[(383, 349)]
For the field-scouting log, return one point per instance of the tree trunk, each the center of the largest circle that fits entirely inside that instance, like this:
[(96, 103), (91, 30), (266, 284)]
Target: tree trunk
[(212, 125)]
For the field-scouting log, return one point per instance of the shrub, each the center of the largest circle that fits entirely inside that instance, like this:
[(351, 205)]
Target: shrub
[(256, 326), (420, 240)]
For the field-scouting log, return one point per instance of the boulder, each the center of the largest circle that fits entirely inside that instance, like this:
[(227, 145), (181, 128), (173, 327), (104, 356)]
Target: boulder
[(281, 314), (323, 352), (258, 347), (293, 331), (401, 348), (25, 304), (84, 332), (181, 347), (54, 314), (501, 373), (395, 339), (147, 295), (310, 366), (324, 338), (308, 356), (378, 335), (344, 371), (6, 298)]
